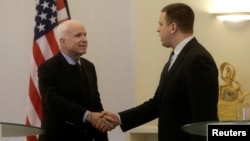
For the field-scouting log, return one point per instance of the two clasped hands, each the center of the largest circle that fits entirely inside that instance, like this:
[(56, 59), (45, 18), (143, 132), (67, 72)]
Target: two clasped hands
[(103, 121)]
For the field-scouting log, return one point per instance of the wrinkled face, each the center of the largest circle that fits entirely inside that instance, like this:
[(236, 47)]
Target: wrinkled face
[(165, 30), (75, 42)]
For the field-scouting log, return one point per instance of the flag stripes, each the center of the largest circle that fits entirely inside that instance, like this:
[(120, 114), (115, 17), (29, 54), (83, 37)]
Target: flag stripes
[(49, 14)]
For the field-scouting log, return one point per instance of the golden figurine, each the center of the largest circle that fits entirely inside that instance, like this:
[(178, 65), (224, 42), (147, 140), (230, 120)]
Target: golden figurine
[(231, 95)]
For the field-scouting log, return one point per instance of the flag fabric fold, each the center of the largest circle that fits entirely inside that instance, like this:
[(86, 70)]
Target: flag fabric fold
[(49, 14)]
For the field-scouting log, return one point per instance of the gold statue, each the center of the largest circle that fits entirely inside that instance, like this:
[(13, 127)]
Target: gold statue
[(231, 95)]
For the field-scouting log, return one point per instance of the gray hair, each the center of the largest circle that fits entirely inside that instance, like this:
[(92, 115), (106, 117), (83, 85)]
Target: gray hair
[(60, 31)]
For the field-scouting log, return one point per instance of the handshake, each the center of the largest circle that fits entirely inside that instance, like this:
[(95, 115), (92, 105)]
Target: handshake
[(103, 121)]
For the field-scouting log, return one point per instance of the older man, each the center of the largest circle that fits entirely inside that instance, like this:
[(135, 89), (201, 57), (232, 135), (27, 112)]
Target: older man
[(68, 86)]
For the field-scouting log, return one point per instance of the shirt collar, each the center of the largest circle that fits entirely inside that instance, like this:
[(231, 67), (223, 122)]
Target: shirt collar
[(69, 59), (181, 45)]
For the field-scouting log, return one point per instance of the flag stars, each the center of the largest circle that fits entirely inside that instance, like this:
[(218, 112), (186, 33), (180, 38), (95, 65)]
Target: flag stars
[(41, 27), (46, 18), (43, 16), (53, 20), (45, 5), (53, 8)]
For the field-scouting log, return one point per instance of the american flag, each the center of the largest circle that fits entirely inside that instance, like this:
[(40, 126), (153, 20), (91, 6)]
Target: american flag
[(49, 14)]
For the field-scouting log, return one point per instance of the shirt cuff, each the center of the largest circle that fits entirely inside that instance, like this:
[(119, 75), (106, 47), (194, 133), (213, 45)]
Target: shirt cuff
[(85, 116), (120, 122)]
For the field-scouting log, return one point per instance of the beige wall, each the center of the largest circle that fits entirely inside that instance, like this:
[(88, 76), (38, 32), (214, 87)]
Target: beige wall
[(109, 25), (111, 36), (226, 43)]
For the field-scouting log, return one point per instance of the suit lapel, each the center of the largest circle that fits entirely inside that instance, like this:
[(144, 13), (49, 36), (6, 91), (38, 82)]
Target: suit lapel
[(85, 70), (88, 76), (181, 57)]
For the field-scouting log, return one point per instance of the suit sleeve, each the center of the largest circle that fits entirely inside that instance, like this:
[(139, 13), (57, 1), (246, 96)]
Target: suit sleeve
[(141, 114), (202, 84)]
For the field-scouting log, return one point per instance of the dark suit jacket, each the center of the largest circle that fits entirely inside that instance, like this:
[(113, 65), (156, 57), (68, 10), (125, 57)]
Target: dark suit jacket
[(64, 105), (189, 93)]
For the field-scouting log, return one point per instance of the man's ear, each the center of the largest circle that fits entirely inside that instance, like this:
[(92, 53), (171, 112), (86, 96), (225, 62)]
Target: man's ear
[(62, 42), (173, 27)]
